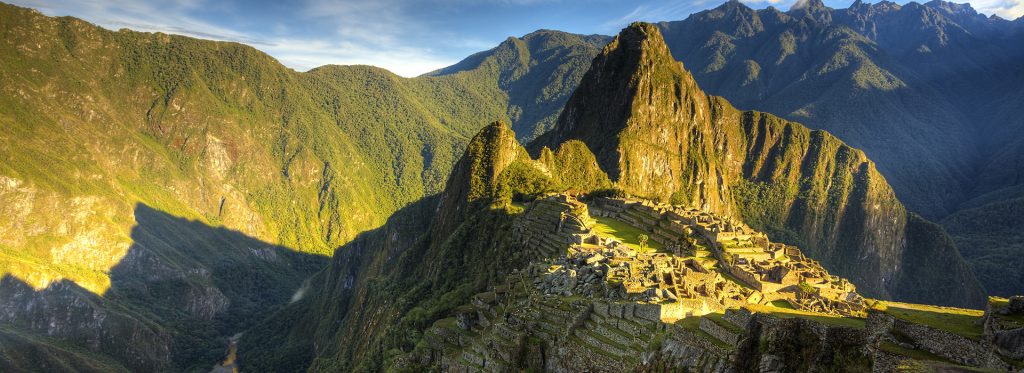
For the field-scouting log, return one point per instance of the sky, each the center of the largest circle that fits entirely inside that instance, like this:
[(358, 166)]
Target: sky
[(408, 37)]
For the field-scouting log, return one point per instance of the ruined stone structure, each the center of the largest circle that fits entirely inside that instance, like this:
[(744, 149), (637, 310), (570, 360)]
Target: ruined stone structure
[(770, 271), (596, 304)]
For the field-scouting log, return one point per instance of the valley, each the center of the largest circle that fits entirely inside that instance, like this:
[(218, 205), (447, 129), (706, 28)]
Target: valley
[(741, 191)]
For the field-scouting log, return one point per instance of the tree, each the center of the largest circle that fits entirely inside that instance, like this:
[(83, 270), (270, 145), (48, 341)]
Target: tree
[(642, 239)]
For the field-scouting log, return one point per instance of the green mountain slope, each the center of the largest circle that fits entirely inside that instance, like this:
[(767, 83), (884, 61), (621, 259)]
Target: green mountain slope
[(915, 86), (99, 127), (538, 72), (372, 305)]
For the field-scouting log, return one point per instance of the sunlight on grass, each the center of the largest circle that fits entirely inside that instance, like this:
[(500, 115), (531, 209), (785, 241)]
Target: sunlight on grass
[(955, 320), (628, 234), (39, 274)]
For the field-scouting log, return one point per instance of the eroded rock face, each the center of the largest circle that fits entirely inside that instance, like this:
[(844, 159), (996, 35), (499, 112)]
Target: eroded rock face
[(66, 311)]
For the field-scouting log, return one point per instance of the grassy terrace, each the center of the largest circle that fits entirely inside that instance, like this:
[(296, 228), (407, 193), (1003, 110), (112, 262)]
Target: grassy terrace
[(624, 232), (998, 302), (912, 353), (717, 318), (954, 320), (926, 361), (692, 324), (851, 322)]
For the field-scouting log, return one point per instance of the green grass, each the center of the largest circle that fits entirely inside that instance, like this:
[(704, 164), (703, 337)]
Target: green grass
[(717, 318), (908, 352), (784, 304), (999, 302), (692, 324), (954, 320), (628, 234), (927, 361)]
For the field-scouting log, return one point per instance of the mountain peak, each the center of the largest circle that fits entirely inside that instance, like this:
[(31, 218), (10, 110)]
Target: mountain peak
[(952, 8), (634, 96), (814, 9), (475, 177), (807, 5), (604, 101)]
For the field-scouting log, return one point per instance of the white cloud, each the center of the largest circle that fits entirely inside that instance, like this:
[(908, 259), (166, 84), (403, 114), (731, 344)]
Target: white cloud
[(666, 11), (365, 33), (393, 34), (1009, 9)]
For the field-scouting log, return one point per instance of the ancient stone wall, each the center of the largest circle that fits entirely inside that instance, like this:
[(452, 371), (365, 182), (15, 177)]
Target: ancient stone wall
[(720, 332), (948, 345)]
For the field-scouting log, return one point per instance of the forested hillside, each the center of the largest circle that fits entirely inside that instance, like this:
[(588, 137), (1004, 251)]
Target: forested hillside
[(102, 127)]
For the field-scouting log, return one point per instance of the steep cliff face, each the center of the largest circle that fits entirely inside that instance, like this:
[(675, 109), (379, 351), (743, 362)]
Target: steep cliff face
[(657, 135), (647, 123)]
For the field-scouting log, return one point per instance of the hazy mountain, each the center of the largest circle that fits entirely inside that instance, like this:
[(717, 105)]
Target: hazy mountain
[(537, 72)]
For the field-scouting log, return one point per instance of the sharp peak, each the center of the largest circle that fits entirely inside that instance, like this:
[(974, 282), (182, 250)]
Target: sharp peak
[(734, 4), (494, 131), (640, 38), (640, 32)]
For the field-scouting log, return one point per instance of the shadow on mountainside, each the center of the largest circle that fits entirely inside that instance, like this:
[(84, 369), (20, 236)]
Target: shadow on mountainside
[(360, 296), (180, 291)]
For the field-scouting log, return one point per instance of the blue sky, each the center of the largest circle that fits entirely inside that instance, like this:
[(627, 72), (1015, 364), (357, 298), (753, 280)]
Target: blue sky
[(407, 37)]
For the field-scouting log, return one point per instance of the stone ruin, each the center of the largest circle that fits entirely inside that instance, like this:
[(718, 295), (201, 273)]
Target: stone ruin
[(1003, 325), (598, 304), (713, 263)]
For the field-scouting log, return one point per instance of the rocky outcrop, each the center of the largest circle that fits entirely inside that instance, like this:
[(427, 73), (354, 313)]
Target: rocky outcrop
[(474, 179), (64, 311)]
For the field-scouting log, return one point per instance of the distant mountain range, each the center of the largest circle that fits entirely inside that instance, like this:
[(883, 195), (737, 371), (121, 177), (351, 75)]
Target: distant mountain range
[(160, 193)]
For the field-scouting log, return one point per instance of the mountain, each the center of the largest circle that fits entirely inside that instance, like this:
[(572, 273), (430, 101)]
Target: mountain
[(537, 71), (161, 194), (926, 90), (639, 119), (267, 169), (913, 85), (657, 135)]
